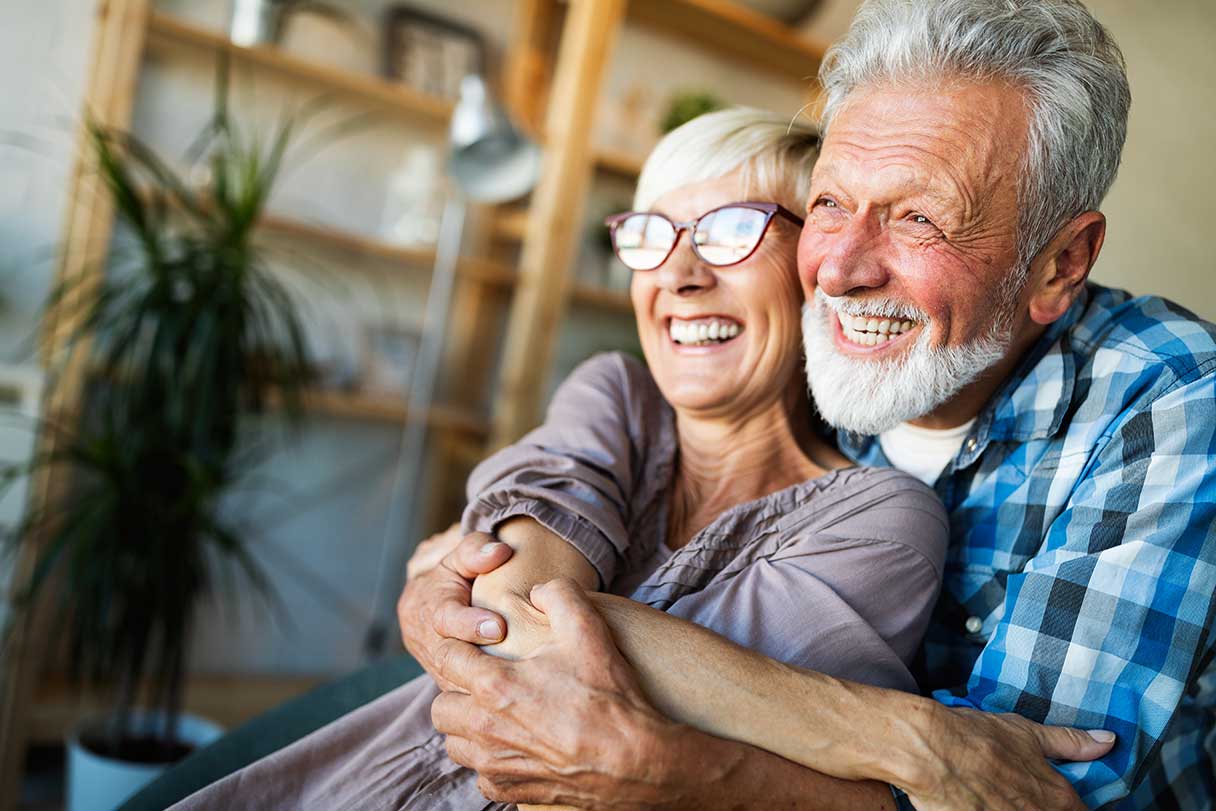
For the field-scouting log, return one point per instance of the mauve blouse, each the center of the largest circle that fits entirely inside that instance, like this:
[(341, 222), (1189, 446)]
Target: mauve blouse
[(837, 574)]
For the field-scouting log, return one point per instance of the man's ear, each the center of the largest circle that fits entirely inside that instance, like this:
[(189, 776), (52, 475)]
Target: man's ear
[(1060, 270)]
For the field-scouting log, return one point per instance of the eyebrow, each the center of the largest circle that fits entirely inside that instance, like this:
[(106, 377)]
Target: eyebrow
[(911, 189)]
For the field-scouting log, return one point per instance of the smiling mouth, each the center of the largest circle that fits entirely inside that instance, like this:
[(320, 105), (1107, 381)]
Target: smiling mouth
[(703, 331), (872, 331)]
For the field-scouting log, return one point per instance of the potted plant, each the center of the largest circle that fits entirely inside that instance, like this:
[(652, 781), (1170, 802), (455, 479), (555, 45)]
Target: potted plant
[(187, 330), (687, 105)]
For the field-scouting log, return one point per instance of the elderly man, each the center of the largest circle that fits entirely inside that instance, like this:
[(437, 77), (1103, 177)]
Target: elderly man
[(1069, 429)]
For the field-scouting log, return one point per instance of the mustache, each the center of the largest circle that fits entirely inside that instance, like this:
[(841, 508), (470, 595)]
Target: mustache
[(876, 307)]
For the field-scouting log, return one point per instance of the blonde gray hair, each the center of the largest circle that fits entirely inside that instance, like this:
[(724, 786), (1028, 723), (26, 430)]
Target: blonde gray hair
[(774, 155), (1066, 63)]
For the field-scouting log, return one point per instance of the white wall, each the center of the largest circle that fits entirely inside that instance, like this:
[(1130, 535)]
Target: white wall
[(1161, 209), (44, 50)]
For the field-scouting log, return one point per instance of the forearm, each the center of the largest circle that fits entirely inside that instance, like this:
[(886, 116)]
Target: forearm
[(729, 775), (539, 556), (699, 678), (694, 676)]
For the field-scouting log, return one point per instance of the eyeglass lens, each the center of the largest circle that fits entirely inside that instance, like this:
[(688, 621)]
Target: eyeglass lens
[(721, 237)]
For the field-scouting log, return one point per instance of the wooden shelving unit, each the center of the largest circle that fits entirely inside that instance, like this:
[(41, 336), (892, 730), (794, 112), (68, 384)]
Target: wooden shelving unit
[(601, 298), (166, 30), (472, 268), (618, 163), (385, 407), (728, 29)]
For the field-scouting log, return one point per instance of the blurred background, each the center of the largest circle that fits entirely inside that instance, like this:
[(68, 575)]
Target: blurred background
[(349, 232)]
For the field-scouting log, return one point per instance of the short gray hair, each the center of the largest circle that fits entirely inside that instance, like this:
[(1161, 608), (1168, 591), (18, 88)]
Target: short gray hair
[(776, 156), (1064, 60)]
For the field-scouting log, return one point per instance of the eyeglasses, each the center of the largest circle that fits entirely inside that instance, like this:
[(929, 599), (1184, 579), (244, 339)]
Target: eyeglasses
[(725, 236)]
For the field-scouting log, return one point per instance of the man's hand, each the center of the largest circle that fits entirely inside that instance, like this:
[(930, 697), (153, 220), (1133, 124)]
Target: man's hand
[(429, 552), (435, 605), (975, 760), (522, 725)]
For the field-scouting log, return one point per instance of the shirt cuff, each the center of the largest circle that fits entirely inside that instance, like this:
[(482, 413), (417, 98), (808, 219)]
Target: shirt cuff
[(576, 531)]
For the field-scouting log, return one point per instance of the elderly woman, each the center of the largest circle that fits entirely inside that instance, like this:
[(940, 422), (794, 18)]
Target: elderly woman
[(644, 480)]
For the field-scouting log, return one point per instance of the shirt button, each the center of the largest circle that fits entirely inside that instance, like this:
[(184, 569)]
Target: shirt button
[(974, 625), (971, 443)]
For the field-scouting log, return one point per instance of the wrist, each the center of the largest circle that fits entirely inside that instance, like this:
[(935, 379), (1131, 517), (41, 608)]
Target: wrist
[(915, 760)]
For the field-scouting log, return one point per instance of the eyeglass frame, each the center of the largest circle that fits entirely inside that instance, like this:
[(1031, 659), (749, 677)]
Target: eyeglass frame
[(770, 210)]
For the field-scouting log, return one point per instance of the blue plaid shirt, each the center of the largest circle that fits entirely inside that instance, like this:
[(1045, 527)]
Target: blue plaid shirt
[(1080, 586)]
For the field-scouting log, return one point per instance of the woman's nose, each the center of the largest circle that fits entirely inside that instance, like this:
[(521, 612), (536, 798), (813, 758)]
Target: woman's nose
[(684, 273), (852, 259)]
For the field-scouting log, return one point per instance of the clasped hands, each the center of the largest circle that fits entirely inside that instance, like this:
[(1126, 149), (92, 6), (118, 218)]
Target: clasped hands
[(564, 720)]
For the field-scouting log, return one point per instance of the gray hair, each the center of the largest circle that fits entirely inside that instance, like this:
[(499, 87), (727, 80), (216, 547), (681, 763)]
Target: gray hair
[(775, 156), (1064, 60)]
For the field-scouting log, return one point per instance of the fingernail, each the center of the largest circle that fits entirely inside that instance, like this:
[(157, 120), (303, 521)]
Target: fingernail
[(488, 548), (488, 629), (1101, 735)]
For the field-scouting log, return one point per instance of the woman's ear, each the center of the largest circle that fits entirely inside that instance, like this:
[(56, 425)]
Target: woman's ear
[(1060, 270)]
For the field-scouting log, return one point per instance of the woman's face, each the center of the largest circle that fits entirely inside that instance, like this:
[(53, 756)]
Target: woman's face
[(757, 302)]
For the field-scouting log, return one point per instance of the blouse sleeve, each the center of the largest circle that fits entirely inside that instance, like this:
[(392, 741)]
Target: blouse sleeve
[(575, 474), (851, 598)]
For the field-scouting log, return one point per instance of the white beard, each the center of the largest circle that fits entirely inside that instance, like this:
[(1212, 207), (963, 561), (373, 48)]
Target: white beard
[(871, 396)]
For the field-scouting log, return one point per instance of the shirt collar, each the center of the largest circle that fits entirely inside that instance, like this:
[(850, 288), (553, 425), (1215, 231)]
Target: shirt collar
[(1031, 404)]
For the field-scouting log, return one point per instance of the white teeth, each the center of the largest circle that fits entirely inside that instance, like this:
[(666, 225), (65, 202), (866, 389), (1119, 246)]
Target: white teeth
[(867, 331), (702, 332)]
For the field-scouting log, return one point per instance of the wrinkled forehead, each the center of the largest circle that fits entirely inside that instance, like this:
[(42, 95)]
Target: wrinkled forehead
[(960, 139)]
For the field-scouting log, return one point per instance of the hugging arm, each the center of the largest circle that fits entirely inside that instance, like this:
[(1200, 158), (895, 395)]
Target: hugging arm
[(573, 722)]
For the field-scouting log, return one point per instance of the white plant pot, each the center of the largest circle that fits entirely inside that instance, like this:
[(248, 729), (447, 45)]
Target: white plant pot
[(97, 783)]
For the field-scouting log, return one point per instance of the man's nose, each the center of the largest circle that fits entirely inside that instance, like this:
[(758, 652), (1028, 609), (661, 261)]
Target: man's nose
[(854, 259), (684, 273)]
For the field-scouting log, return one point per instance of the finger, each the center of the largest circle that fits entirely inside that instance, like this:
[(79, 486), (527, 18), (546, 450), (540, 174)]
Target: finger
[(1066, 743), (462, 751), (477, 553), (571, 615), (457, 716), (465, 666), (478, 626)]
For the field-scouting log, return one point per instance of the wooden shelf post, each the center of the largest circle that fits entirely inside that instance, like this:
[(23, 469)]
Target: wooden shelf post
[(555, 216)]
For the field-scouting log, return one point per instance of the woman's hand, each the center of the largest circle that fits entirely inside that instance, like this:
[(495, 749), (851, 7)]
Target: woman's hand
[(428, 553), (527, 626)]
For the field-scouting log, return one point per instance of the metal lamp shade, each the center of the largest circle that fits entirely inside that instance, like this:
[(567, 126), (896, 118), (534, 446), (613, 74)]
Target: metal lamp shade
[(490, 160)]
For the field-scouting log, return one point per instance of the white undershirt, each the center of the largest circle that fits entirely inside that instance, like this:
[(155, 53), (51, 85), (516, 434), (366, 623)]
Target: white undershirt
[(922, 452)]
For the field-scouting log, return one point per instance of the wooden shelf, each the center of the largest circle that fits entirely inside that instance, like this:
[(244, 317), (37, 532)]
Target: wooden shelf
[(383, 407), (601, 298), (726, 28), (229, 700), (618, 162), (167, 29), (510, 225), (481, 270)]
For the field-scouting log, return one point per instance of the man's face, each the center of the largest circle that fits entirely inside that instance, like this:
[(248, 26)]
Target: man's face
[(909, 251)]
